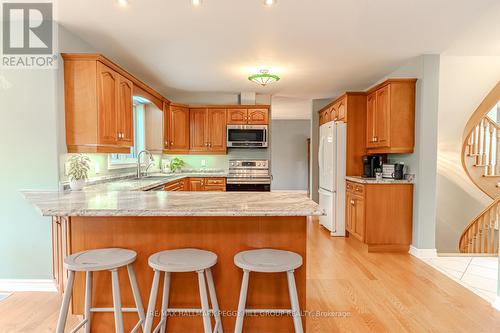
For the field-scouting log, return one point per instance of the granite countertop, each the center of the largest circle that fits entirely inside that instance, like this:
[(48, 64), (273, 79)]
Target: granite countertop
[(361, 180), (147, 183), (138, 203)]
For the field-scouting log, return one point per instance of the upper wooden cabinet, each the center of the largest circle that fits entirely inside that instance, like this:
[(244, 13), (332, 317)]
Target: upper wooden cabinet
[(391, 117), (98, 104), (250, 116), (99, 114), (208, 130), (176, 128), (350, 108)]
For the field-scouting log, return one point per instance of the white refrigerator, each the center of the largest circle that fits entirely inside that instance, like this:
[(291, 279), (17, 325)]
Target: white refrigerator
[(332, 169)]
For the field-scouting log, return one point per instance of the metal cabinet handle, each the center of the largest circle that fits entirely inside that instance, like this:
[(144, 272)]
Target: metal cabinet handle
[(352, 202), (375, 139), (171, 143)]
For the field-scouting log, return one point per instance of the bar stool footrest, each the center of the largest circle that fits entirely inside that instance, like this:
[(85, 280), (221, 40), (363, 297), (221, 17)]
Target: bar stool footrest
[(80, 325)]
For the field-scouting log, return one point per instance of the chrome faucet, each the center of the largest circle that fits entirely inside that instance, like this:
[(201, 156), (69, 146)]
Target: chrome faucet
[(150, 157)]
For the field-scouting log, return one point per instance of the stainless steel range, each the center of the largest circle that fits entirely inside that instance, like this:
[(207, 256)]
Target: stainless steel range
[(249, 175)]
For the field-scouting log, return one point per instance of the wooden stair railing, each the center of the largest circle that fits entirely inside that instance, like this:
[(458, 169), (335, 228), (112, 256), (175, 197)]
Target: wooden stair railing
[(481, 235), (483, 143)]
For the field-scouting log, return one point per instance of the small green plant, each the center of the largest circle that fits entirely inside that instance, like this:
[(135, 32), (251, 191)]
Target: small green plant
[(79, 166), (176, 163)]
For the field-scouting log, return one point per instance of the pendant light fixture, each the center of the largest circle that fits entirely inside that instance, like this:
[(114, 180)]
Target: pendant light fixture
[(264, 78)]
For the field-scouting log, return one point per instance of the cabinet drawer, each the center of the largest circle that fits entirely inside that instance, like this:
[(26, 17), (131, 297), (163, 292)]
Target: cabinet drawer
[(359, 189), (215, 188), (215, 181)]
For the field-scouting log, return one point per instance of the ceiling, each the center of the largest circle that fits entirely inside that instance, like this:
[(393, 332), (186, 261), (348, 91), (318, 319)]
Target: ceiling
[(318, 47)]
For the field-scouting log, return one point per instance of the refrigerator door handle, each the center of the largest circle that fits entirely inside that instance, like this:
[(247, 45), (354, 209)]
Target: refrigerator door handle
[(324, 192)]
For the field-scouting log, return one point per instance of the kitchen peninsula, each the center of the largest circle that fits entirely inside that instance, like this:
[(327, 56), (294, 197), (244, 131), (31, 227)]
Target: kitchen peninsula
[(148, 222)]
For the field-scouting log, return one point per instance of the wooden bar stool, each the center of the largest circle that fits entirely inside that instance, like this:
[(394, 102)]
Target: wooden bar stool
[(268, 261), (99, 260), (179, 261)]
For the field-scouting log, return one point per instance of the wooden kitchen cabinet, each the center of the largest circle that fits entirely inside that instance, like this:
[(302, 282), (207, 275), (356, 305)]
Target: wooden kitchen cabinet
[(125, 114), (390, 124), (258, 117), (208, 130), (380, 215), (196, 184), (250, 116), (176, 129), (350, 108), (176, 185), (98, 106)]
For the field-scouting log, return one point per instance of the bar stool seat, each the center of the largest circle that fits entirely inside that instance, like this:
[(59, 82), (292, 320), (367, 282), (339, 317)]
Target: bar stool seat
[(99, 260), (268, 261), (182, 261), (110, 259)]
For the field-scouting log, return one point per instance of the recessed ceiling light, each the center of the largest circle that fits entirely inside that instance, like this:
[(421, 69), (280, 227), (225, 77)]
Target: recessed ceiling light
[(270, 2), (122, 3), (196, 2)]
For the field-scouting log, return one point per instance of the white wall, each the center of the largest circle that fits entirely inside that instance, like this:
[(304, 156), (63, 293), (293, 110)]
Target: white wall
[(464, 82)]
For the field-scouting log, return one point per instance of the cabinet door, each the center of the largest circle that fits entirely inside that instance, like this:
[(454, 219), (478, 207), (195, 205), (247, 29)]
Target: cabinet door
[(258, 116), (107, 88), (348, 212), (321, 118), (237, 116), (199, 140), (359, 217), (166, 126), (382, 117), (179, 128), (371, 101), (341, 110), (125, 114), (217, 130), (196, 184)]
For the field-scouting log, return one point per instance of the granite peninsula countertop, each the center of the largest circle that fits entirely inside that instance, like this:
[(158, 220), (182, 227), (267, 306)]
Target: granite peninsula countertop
[(139, 203), (361, 180)]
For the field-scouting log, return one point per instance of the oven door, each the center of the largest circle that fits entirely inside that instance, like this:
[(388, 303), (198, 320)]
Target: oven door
[(247, 136)]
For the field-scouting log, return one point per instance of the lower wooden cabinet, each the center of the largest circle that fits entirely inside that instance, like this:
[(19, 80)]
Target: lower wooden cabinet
[(197, 184), (177, 185), (380, 215)]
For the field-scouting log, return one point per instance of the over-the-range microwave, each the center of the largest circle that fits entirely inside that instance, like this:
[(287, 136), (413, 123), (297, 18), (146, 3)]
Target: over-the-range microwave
[(247, 136)]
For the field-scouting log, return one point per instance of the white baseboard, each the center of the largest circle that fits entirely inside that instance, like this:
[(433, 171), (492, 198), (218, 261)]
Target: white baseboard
[(47, 285), (496, 303), (422, 253)]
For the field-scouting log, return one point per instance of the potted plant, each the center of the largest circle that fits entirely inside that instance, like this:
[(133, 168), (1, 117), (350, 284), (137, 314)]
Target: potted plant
[(79, 166), (176, 164)]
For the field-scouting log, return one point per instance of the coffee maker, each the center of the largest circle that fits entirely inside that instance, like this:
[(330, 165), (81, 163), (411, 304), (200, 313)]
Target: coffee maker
[(370, 163)]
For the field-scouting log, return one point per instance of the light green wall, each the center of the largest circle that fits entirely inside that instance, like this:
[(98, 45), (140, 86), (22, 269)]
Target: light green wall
[(27, 124)]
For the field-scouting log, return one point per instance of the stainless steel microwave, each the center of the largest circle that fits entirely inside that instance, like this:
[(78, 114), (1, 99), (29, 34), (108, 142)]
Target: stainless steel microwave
[(247, 136)]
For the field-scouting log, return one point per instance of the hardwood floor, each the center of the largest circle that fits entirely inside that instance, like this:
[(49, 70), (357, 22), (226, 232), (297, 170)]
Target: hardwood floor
[(364, 292)]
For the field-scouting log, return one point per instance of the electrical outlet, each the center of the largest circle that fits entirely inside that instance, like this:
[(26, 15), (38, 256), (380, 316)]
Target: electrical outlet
[(203, 163)]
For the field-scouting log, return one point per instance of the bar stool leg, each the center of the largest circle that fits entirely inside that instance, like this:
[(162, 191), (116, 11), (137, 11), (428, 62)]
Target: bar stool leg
[(294, 300), (204, 303), (117, 302), (164, 301), (242, 302), (88, 299), (152, 303), (137, 294), (213, 300), (61, 322)]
